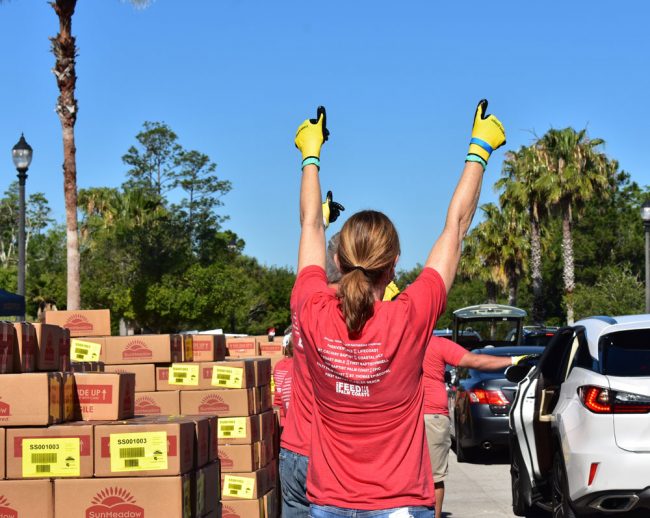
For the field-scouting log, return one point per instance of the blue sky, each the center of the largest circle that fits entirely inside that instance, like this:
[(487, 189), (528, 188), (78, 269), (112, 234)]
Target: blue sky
[(400, 81)]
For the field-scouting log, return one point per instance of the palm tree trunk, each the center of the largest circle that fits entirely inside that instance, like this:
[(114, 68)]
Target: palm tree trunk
[(65, 51), (536, 269), (513, 284), (491, 289), (567, 260)]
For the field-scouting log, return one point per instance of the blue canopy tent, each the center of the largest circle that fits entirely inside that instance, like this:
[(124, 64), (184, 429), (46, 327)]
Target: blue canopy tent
[(11, 304)]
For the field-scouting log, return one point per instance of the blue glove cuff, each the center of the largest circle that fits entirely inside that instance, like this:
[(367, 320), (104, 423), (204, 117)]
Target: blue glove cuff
[(482, 143), (476, 158), (311, 160)]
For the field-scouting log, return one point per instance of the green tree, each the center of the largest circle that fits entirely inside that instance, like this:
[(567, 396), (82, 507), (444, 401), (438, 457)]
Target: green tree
[(617, 291), (580, 174), (154, 163), (523, 187)]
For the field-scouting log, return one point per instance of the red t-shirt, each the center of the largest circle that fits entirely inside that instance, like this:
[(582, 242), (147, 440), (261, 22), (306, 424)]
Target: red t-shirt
[(440, 351), (279, 372), (285, 399), (368, 447)]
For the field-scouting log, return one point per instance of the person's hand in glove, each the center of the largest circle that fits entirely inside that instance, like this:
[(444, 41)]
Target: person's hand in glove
[(391, 291), (487, 135), (311, 135), (518, 360), (331, 210)]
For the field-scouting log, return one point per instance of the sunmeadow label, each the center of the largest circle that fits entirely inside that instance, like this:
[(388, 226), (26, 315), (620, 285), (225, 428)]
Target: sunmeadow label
[(136, 349), (114, 502), (5, 510), (77, 322)]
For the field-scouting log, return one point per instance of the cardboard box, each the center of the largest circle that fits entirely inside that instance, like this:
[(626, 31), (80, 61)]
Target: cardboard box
[(142, 448), (28, 498), (104, 396), (267, 424), (87, 366), (249, 486), (170, 497), (145, 375), (68, 396), (208, 489), (40, 408), (2, 454), (25, 352), (271, 348), (244, 347), (47, 347), (208, 348), (224, 402), (143, 349), (186, 377), (239, 430), (8, 347), (263, 399), (236, 458), (157, 403), (272, 503), (88, 322), (68, 458), (65, 361), (233, 374), (244, 508)]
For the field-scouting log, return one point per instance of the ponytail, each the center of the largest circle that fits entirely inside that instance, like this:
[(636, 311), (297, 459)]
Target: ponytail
[(367, 250)]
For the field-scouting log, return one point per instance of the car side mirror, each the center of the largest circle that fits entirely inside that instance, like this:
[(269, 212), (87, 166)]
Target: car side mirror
[(516, 373), (448, 377)]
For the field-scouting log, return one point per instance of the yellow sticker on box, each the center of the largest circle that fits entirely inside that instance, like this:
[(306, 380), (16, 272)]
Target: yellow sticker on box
[(51, 457), (238, 487), (84, 351), (232, 427), (227, 377), (143, 451), (181, 374)]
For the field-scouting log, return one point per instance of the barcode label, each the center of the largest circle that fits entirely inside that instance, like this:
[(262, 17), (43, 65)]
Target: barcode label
[(234, 487), (143, 451), (42, 468), (130, 453), (44, 458), (181, 375)]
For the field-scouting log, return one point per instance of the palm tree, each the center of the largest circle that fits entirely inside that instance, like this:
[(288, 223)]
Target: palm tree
[(578, 173), (523, 186), (64, 49)]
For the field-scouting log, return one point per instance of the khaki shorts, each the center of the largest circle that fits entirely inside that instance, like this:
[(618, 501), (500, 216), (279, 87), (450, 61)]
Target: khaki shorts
[(439, 442)]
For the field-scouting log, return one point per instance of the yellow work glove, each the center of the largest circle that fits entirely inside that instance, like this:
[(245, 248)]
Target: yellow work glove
[(331, 209), (516, 360), (311, 135), (391, 291), (487, 135)]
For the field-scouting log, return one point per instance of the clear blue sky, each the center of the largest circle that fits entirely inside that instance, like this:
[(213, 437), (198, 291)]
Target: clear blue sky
[(400, 81)]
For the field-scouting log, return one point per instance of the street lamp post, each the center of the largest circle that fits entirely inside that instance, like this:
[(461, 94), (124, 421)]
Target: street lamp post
[(22, 157), (645, 216)]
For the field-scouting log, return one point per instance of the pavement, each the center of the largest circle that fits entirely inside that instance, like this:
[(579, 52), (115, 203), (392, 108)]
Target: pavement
[(475, 490)]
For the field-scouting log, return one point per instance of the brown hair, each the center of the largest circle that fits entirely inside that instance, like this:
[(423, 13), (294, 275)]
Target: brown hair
[(368, 247)]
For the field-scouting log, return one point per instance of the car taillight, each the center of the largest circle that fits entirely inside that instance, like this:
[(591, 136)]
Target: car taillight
[(487, 397), (600, 400)]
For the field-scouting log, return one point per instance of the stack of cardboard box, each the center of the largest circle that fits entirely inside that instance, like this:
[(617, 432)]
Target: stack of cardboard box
[(70, 445)]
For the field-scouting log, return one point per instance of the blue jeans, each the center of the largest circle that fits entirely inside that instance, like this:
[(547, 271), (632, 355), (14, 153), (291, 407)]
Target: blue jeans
[(326, 511), (293, 481)]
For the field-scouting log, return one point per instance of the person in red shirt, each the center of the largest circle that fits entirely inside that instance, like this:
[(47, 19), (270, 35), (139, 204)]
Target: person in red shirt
[(441, 352), (280, 372), (367, 435)]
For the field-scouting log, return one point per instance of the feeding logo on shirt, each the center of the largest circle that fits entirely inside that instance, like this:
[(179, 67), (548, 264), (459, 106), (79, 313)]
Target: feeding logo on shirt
[(348, 389)]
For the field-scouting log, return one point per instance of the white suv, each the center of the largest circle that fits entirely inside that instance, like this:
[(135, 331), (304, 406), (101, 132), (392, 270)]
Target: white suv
[(580, 422)]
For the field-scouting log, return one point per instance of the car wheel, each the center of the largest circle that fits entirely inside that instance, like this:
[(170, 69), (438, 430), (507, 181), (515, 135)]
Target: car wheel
[(519, 482), (462, 454), (560, 489)]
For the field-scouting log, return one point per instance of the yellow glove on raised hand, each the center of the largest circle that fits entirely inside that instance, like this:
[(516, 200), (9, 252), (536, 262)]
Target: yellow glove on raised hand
[(487, 135), (391, 291), (311, 135), (516, 360), (331, 209)]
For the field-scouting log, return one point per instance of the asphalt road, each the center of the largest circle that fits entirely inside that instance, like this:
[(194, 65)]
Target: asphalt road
[(475, 490)]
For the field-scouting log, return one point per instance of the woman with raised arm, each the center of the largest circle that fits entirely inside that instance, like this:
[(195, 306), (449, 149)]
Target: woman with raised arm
[(368, 448)]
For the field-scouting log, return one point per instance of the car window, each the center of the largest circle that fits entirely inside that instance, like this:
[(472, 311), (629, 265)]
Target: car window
[(626, 353), (555, 358), (582, 358)]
